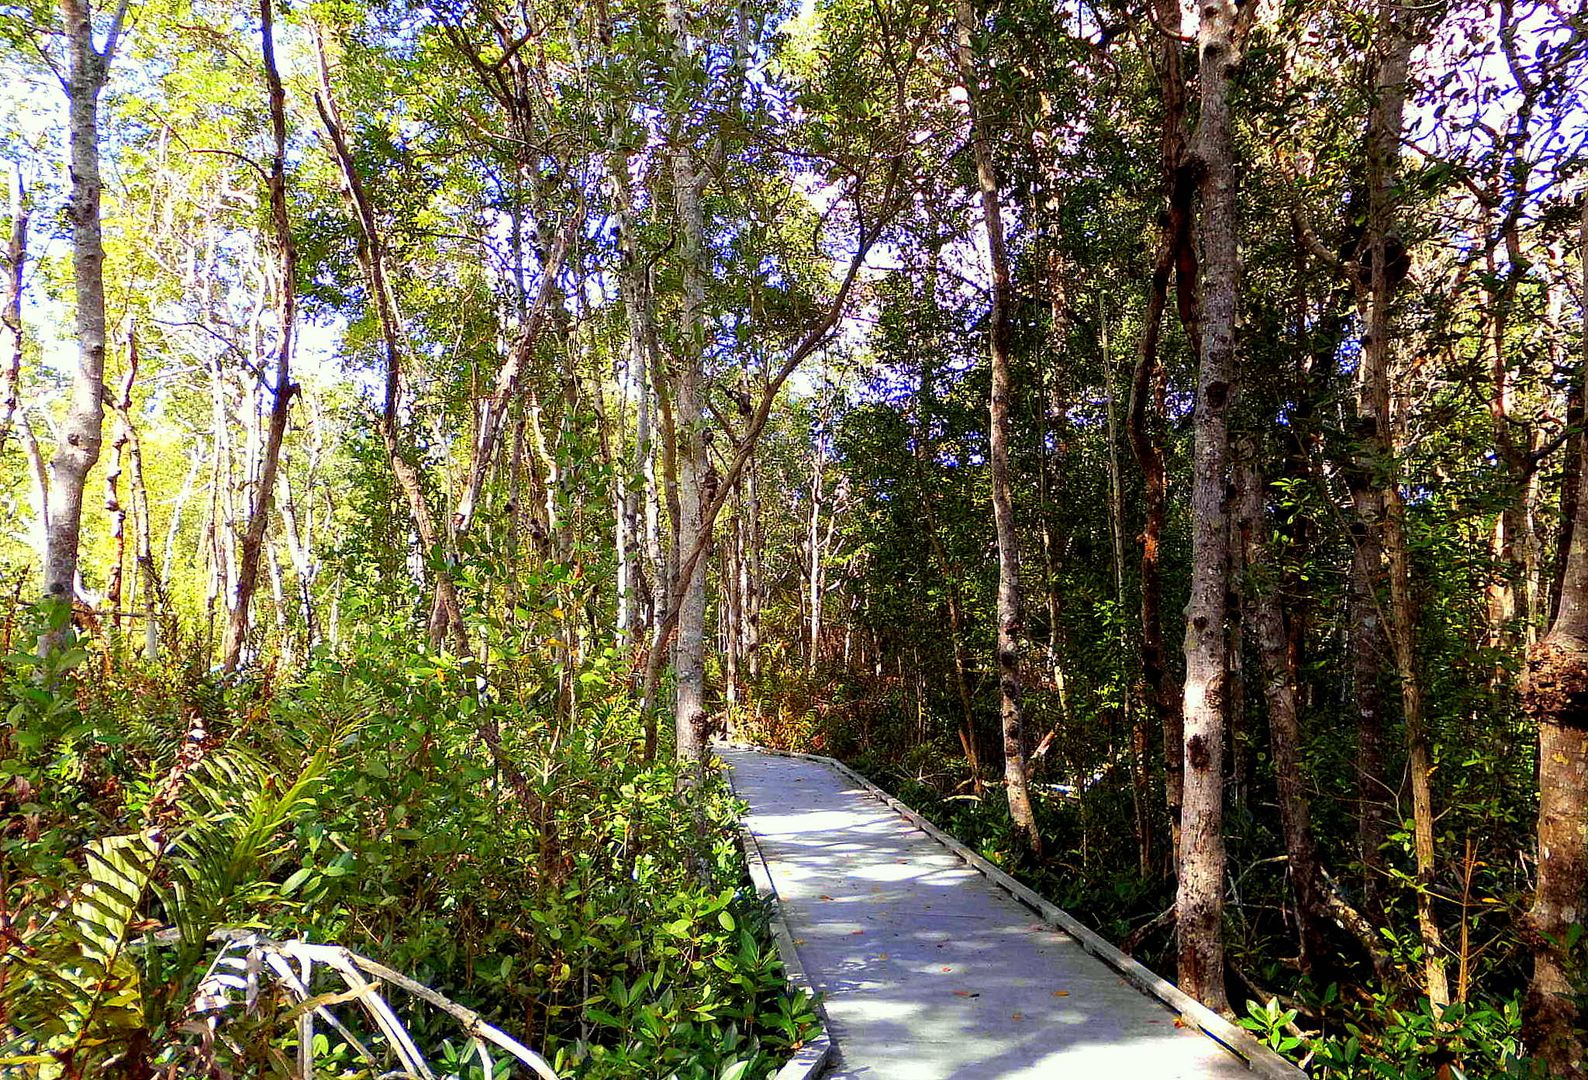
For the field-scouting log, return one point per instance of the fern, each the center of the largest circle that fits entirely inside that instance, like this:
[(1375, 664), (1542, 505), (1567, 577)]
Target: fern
[(76, 1000), (74, 981), (237, 807)]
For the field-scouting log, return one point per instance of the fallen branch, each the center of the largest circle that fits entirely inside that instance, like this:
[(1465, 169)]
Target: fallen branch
[(230, 974)]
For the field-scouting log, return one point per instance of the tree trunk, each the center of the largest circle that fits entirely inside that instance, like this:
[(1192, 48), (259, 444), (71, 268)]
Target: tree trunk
[(1279, 691), (814, 547), (300, 537), (447, 625), (1010, 621), (281, 393), (1555, 697), (1368, 651), (1383, 151), (753, 542), (1135, 718), (113, 504), (38, 488), (730, 609), (11, 307), (174, 526), (1199, 902), (689, 657), (1570, 484), (1145, 419), (149, 584), (638, 510), (82, 433)]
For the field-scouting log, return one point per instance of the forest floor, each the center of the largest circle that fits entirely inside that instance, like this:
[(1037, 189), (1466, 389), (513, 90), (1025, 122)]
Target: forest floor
[(926, 968)]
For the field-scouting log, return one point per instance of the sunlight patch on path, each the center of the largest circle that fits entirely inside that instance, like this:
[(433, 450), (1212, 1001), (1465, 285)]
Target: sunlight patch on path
[(929, 971)]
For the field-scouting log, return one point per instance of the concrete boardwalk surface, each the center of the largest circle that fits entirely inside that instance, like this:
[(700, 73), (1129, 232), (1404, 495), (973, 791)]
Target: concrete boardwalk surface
[(926, 968)]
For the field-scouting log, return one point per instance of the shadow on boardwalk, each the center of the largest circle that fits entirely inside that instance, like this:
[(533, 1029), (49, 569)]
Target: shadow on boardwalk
[(928, 970)]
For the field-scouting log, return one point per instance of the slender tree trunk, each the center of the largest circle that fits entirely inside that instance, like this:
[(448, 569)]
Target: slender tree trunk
[(639, 480), (1145, 420), (1136, 719), (1383, 149), (214, 581), (615, 449), (1368, 651), (149, 583), (731, 609), (508, 387), (689, 657), (814, 547), (113, 504), (11, 307), (946, 572), (281, 393), (1010, 621), (300, 537), (754, 540), (1570, 493), (183, 495), (1144, 426), (816, 334), (448, 626), (1555, 697), (1279, 690), (1200, 899), (82, 433), (38, 488), (922, 424)]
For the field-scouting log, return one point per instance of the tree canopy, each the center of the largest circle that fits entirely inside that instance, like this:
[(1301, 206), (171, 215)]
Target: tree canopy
[(1148, 439)]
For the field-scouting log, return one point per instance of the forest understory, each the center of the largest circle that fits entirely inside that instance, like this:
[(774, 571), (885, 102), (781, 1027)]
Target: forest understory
[(1148, 439)]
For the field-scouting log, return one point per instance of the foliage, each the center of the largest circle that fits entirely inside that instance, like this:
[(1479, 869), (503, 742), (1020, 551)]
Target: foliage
[(356, 805)]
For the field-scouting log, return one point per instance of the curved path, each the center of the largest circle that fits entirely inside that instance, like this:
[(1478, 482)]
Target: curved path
[(928, 969)]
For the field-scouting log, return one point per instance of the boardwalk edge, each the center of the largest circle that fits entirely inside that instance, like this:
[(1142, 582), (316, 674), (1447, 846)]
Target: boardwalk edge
[(1259, 1059), (812, 1059)]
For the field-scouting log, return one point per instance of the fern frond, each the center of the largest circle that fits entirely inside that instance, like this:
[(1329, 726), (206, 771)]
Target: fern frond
[(74, 984)]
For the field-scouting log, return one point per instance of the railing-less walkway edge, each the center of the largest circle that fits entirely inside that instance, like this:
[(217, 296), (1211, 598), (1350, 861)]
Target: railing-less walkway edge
[(817, 856)]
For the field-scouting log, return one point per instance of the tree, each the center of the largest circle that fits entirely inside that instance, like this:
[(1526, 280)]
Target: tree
[(88, 69), (1554, 695), (11, 306), (1010, 621), (281, 393), (1199, 902)]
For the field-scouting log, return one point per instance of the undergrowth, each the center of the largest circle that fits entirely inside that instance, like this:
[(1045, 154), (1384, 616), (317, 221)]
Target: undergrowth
[(561, 888), (1340, 1023)]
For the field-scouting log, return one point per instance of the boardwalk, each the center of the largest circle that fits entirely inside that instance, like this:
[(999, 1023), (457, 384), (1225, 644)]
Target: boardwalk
[(927, 969)]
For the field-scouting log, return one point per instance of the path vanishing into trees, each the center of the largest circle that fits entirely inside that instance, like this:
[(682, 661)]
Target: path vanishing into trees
[(928, 969)]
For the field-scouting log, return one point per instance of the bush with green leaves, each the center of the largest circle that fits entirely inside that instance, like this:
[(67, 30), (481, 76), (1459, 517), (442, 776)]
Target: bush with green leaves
[(564, 890)]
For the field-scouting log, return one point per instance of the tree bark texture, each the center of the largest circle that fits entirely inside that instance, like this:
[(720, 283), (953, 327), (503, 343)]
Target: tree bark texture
[(82, 432), (447, 623), (1199, 900), (1279, 692)]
